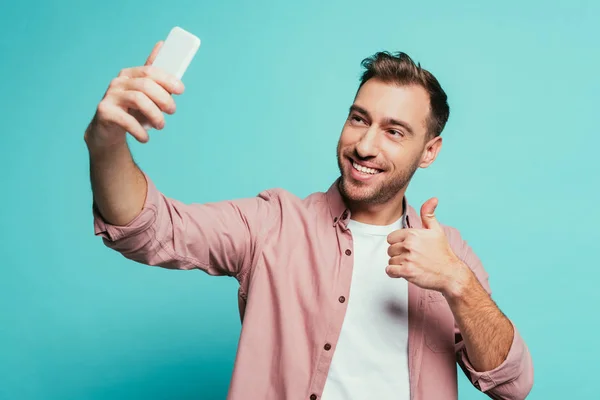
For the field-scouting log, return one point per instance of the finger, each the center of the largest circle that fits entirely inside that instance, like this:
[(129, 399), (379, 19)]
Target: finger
[(116, 115), (154, 91), (398, 260), (397, 249), (154, 53), (160, 76), (428, 214), (397, 271), (139, 101), (399, 235)]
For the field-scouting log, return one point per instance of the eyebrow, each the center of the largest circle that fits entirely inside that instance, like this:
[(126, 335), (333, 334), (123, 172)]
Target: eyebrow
[(386, 121)]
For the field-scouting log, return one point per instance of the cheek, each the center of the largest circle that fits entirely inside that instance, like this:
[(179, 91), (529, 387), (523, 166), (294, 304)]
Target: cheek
[(349, 136), (401, 156), (341, 145)]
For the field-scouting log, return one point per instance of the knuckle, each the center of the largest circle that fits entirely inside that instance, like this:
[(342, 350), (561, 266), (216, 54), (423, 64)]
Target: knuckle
[(137, 97), (145, 84), (103, 108), (125, 72), (147, 70), (115, 82)]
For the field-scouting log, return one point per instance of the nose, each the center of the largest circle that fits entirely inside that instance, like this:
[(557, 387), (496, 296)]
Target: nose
[(368, 146)]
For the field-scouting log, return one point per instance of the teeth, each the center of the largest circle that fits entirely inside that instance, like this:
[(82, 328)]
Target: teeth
[(364, 169)]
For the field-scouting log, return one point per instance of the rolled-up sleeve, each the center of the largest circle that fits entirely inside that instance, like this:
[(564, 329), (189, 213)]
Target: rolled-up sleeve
[(115, 235), (220, 238), (513, 378)]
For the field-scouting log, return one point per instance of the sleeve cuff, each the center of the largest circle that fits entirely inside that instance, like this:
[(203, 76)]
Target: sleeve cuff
[(510, 369), (141, 222)]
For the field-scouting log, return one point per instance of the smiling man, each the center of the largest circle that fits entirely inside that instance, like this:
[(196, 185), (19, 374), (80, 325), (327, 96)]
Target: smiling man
[(345, 294)]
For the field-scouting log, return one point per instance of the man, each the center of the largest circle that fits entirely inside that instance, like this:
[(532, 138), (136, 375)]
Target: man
[(346, 294)]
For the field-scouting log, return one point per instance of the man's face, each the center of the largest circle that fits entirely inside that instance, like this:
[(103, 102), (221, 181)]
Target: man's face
[(384, 141)]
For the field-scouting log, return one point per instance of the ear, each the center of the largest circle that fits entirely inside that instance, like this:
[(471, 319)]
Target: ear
[(431, 151)]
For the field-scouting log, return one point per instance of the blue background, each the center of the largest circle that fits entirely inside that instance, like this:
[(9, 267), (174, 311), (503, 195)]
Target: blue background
[(266, 98)]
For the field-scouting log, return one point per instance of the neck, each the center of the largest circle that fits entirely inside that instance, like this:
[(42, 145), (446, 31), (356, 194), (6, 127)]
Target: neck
[(378, 214)]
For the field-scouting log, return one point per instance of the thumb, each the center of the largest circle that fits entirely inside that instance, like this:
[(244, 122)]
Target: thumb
[(152, 55), (428, 214)]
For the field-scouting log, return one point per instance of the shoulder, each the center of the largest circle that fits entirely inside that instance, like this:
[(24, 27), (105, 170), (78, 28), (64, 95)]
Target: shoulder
[(284, 197), (284, 205)]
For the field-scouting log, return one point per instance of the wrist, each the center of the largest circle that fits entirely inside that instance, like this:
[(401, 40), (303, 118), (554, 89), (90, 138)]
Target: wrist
[(98, 147), (461, 283)]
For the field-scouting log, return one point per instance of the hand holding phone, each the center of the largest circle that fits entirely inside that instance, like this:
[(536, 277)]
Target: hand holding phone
[(137, 98), (176, 53)]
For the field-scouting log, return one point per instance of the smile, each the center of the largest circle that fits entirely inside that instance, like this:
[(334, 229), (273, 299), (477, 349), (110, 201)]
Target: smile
[(363, 169)]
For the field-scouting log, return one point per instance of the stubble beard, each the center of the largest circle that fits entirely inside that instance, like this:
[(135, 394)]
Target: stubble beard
[(377, 193)]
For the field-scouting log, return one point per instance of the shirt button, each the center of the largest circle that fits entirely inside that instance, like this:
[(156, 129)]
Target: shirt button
[(313, 397), (327, 347), (348, 252), (342, 299)]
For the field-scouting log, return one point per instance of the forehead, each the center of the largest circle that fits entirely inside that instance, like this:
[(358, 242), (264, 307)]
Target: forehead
[(386, 100)]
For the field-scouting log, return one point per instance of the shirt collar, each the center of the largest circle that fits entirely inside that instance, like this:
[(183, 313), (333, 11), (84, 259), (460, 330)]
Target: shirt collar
[(341, 214)]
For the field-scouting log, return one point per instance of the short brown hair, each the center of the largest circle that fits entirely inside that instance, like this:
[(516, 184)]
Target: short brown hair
[(400, 69)]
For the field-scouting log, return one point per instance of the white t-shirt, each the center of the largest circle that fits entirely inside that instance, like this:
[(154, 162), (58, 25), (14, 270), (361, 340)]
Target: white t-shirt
[(371, 357)]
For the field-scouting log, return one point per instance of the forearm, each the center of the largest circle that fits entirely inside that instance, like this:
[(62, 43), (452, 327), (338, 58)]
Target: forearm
[(118, 185), (486, 331)]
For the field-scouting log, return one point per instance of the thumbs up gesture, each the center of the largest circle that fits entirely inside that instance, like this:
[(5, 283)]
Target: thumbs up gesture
[(424, 257)]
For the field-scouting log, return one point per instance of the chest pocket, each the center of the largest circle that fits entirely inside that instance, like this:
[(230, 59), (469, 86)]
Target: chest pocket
[(439, 324)]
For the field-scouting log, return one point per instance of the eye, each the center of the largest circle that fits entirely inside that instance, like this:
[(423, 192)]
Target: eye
[(396, 133), (355, 119)]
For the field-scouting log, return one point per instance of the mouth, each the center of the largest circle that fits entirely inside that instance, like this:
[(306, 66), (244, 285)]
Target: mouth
[(363, 172)]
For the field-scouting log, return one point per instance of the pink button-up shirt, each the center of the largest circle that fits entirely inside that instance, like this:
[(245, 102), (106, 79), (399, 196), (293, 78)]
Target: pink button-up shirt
[(293, 259)]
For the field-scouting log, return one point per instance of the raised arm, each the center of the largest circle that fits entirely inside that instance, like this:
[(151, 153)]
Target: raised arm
[(134, 217), (137, 94)]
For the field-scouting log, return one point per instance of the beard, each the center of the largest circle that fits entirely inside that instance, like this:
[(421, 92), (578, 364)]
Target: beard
[(381, 191)]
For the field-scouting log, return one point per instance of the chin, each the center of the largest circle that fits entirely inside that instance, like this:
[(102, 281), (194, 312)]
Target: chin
[(356, 190)]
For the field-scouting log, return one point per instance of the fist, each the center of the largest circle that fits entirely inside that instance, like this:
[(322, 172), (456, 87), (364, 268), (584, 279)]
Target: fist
[(423, 256), (136, 95)]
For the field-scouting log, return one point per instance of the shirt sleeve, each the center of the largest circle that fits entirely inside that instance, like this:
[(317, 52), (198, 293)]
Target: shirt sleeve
[(221, 238), (513, 378)]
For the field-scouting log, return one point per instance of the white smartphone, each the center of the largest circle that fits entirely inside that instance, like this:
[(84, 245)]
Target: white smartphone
[(176, 54)]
